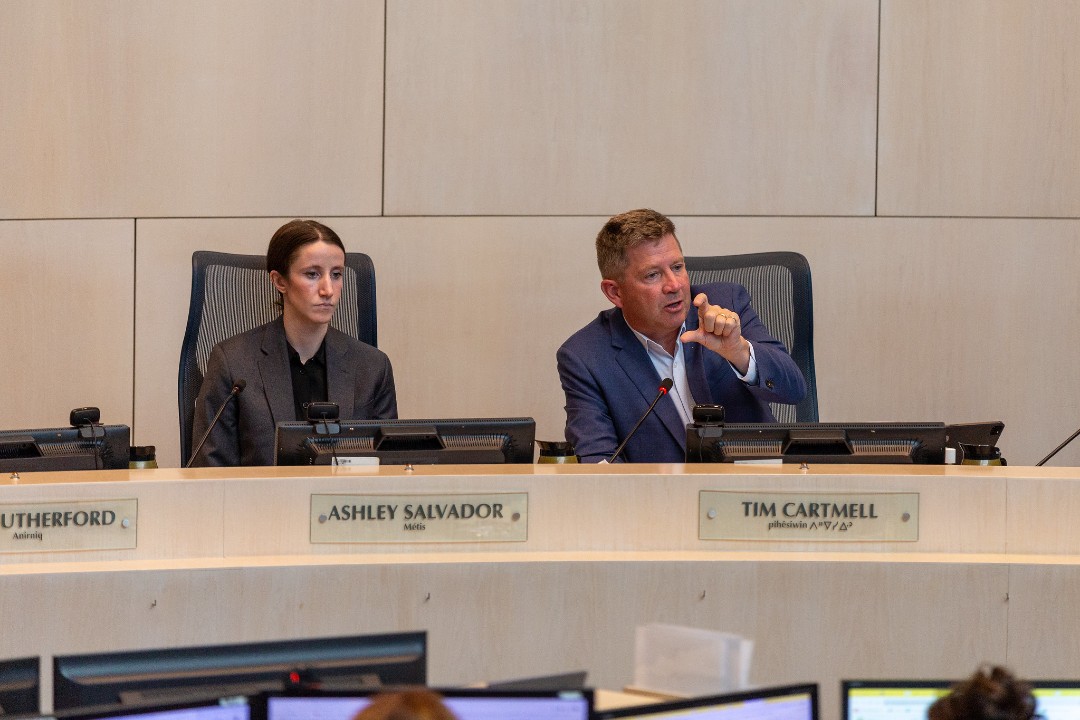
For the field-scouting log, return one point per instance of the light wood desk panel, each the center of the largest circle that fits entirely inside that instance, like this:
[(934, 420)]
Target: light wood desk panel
[(520, 614), (265, 511), (609, 548)]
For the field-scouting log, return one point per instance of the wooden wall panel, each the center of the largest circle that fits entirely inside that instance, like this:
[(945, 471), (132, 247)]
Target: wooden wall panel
[(1044, 609), (536, 107), (471, 310), (68, 294), (915, 319), (257, 107), (979, 108), (941, 319)]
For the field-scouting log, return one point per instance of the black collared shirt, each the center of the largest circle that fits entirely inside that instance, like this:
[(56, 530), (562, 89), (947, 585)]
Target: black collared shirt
[(308, 379)]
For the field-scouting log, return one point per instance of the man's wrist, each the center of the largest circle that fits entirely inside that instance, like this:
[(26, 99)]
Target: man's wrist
[(746, 372)]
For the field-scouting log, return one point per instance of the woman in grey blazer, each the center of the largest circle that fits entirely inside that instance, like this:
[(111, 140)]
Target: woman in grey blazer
[(295, 359)]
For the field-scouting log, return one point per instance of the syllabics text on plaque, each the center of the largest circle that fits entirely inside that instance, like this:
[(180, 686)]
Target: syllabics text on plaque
[(808, 516), (63, 526)]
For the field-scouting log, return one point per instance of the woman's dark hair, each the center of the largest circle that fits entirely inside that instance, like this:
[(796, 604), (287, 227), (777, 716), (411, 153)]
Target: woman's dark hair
[(292, 236), (989, 694)]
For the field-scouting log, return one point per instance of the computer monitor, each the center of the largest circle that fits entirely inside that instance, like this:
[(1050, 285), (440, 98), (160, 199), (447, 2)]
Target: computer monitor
[(864, 443), (19, 686), (1057, 699), (890, 699), (174, 674), (789, 702), (102, 447), (231, 708), (465, 704), (463, 441), (911, 699)]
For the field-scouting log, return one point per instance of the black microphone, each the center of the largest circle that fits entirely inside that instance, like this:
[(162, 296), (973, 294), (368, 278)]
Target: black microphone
[(665, 385), (237, 388), (1058, 449)]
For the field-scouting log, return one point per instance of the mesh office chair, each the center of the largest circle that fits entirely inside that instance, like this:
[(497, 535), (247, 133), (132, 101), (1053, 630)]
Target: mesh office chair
[(780, 289), (233, 293)]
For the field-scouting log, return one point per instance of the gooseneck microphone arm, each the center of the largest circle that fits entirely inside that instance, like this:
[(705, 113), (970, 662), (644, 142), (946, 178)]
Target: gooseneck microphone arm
[(665, 385), (1058, 449), (237, 388)]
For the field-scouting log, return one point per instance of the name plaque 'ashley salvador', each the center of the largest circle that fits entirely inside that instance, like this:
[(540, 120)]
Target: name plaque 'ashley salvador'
[(65, 526), (499, 517), (829, 517)]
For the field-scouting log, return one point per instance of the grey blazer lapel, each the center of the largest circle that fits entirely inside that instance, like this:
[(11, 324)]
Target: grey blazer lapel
[(274, 373)]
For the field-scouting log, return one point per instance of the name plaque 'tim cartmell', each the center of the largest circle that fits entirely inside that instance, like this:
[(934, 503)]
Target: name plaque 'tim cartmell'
[(498, 517), (817, 517)]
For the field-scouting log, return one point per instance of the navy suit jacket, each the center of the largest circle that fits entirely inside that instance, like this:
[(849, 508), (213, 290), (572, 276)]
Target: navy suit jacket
[(358, 378), (609, 382)]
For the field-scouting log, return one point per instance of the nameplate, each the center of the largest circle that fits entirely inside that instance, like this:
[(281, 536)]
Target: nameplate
[(66, 526), (499, 517), (816, 517)]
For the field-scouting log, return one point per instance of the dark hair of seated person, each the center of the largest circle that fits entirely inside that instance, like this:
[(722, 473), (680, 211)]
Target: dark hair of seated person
[(415, 704), (990, 694)]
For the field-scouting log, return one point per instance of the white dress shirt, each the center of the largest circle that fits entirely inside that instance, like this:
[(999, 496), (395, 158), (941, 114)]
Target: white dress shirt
[(674, 367)]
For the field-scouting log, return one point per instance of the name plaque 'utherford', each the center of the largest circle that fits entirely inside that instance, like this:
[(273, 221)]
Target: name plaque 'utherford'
[(828, 517), (499, 517), (66, 526)]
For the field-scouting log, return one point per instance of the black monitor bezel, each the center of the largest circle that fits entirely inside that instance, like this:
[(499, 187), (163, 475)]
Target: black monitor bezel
[(100, 712), (909, 684), (260, 704), (20, 686), (933, 684), (166, 675), (292, 441), (643, 711), (121, 710)]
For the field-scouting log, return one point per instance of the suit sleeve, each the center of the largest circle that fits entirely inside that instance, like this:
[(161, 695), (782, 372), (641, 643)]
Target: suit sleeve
[(779, 378), (384, 401), (222, 448), (589, 426), (371, 377)]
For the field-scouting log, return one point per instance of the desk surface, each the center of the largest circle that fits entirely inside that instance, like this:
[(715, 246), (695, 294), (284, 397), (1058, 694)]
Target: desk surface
[(543, 470)]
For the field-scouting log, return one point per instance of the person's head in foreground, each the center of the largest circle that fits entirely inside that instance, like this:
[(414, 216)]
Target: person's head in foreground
[(990, 694), (406, 705)]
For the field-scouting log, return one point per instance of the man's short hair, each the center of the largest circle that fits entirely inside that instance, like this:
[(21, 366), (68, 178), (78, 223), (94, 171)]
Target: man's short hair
[(625, 231)]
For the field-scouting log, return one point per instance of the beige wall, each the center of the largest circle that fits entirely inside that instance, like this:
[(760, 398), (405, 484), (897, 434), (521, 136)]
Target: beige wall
[(923, 155)]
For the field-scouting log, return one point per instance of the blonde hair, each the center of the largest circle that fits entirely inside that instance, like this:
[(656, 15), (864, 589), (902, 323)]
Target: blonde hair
[(406, 705)]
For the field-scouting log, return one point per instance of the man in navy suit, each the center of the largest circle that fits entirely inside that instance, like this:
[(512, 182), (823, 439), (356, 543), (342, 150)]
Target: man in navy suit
[(706, 338)]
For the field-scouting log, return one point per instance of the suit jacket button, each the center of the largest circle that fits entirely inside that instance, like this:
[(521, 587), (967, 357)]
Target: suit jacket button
[(769, 384)]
